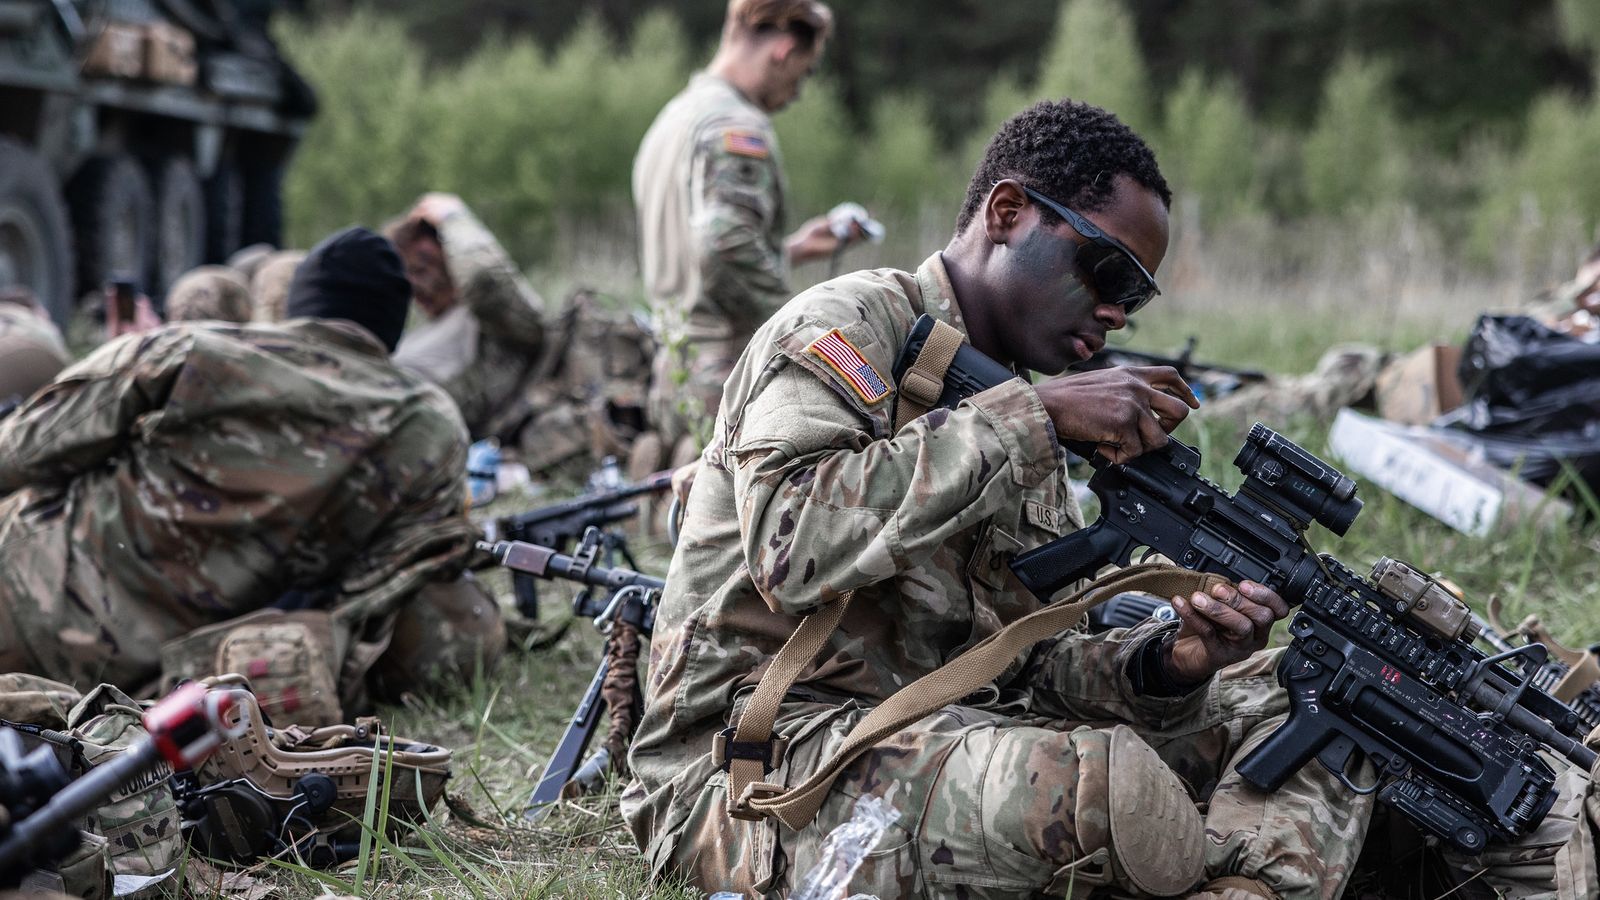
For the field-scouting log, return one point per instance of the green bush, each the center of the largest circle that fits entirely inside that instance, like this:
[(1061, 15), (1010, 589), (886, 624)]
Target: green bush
[(1551, 186), (1208, 149), (1356, 155), (1095, 58), (365, 156), (821, 151)]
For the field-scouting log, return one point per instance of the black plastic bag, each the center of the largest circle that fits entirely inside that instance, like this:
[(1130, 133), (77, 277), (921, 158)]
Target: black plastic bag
[(1532, 400)]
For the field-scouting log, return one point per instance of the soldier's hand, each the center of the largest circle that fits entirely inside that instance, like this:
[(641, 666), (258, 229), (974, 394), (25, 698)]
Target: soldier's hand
[(435, 207), (1127, 410), (1221, 628), (813, 240)]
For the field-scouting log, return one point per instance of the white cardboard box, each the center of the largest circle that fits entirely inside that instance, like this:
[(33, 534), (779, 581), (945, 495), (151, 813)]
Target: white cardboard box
[(1438, 477)]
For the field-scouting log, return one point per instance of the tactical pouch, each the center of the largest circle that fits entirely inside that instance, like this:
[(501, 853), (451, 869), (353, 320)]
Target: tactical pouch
[(275, 791), (140, 821), (292, 659)]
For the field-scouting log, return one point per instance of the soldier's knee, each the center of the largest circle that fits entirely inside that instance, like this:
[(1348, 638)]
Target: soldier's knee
[(1100, 805)]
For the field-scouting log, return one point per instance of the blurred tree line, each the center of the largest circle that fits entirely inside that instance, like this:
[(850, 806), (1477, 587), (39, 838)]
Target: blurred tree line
[(1478, 117), (1454, 65)]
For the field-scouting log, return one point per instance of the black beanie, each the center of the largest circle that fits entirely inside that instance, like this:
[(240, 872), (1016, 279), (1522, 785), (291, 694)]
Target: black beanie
[(355, 275)]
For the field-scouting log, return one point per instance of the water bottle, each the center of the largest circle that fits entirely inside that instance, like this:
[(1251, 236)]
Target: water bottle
[(483, 468)]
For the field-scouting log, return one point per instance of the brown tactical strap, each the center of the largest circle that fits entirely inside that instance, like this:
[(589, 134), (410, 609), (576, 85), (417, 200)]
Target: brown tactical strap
[(1578, 679), (977, 667), (922, 384), (754, 729)]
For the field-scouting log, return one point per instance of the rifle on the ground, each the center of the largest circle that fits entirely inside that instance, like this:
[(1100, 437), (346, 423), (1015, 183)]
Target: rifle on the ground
[(628, 616), (560, 525), (1217, 381), (42, 806), (1382, 668)]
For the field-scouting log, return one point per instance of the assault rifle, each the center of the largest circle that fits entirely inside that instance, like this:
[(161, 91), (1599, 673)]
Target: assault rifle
[(560, 525), (629, 614), (1216, 381), (42, 806), (1383, 668)]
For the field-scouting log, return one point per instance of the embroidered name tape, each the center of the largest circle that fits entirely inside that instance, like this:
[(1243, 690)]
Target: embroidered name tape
[(844, 358), (746, 143)]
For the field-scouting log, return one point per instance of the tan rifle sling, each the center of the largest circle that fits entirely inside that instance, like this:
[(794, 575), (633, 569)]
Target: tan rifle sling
[(748, 751)]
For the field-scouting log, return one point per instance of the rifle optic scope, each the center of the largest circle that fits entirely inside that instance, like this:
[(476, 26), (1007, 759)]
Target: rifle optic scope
[(1277, 470)]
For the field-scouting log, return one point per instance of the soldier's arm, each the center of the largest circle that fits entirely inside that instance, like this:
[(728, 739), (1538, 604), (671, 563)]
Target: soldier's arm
[(743, 271), (825, 507), (1085, 677), (90, 412), (428, 538), (489, 282)]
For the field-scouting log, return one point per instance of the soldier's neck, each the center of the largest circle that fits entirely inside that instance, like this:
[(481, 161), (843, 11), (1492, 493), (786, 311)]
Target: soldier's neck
[(971, 296), (743, 70)]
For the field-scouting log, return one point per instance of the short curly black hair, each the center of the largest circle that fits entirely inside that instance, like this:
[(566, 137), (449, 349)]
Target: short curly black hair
[(1068, 151)]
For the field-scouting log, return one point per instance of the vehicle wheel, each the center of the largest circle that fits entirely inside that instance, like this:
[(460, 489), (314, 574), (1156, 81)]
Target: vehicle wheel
[(114, 216), (224, 212), (180, 240), (35, 243), (263, 205)]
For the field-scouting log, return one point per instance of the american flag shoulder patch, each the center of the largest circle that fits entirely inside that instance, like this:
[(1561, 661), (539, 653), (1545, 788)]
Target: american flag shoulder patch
[(842, 357), (745, 143)]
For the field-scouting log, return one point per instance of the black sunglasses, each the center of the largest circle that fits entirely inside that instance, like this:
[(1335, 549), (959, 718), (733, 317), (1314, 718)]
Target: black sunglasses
[(1112, 270)]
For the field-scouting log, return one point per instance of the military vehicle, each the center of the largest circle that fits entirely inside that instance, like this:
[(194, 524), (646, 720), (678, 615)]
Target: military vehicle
[(138, 139)]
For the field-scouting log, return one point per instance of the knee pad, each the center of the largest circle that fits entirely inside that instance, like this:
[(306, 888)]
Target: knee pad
[(1151, 831)]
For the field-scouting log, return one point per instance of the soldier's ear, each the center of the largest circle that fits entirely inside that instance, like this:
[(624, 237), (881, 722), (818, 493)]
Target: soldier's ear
[(1002, 211)]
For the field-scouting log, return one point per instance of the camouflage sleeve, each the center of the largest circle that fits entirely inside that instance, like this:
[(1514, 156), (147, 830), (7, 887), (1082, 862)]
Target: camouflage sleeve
[(1085, 677), (743, 268), (428, 538), (489, 282), (90, 411), (825, 508)]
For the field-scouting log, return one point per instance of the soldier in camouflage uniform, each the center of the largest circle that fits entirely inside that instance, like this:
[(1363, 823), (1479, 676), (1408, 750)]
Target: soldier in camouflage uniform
[(806, 491), (31, 348), (193, 474), (485, 330), (708, 187)]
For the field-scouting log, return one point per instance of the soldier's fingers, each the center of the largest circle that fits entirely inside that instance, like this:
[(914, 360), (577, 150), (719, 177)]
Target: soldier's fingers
[(1260, 593), (1151, 433), (1224, 618), (1193, 622), (1168, 409), (1259, 615), (1167, 380)]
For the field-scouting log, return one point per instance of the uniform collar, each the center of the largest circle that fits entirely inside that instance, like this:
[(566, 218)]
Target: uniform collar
[(938, 296), (705, 77)]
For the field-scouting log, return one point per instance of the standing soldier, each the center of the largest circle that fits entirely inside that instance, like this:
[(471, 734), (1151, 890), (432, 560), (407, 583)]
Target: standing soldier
[(709, 190)]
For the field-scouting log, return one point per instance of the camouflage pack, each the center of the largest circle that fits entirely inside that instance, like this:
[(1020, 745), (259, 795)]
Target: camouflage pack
[(293, 661), (140, 821)]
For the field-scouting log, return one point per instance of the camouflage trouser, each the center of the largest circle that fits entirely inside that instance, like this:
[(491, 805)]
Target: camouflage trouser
[(997, 806), (686, 387)]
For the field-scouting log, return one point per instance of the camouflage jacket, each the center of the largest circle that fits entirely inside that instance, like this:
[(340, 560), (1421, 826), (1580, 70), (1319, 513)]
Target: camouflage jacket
[(708, 188), (483, 351), (806, 492), (191, 474)]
